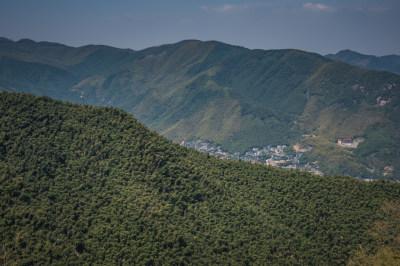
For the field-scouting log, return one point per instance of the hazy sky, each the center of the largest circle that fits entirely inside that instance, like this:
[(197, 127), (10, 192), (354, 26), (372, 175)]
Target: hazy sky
[(323, 26)]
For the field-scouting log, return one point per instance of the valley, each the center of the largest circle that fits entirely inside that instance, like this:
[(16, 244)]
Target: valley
[(82, 184), (239, 133), (235, 97), (280, 156)]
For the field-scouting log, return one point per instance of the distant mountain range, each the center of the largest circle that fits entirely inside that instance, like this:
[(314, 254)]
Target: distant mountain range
[(230, 95), (389, 62)]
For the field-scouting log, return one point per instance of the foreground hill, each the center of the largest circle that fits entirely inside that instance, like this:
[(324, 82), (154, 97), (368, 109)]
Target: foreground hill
[(91, 185), (387, 62), (229, 95)]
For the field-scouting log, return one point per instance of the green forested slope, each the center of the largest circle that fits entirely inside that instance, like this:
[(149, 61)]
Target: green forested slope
[(82, 184), (363, 104), (232, 96)]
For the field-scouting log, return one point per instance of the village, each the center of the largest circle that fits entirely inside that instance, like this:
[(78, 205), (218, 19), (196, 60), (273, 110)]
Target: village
[(269, 155)]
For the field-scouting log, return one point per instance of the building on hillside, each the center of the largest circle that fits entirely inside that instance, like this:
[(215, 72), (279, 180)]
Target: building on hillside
[(350, 143), (275, 161), (345, 142)]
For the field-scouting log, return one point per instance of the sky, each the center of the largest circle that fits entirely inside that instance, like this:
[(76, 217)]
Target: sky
[(321, 26)]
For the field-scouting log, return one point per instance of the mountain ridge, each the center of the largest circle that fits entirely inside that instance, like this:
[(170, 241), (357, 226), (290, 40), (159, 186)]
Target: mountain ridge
[(83, 184), (230, 95), (384, 63)]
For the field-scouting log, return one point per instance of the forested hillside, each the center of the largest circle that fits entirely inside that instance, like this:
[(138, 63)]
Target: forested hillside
[(229, 95), (91, 185)]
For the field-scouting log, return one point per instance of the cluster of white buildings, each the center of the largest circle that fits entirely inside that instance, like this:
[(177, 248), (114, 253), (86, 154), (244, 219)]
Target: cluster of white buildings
[(269, 155)]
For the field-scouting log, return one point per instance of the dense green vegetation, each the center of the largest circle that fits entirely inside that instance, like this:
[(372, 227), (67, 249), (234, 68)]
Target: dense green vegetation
[(386, 235), (91, 185), (228, 95)]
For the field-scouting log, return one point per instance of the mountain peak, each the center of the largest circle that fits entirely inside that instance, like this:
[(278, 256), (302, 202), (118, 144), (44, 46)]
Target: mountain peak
[(388, 63), (51, 43), (3, 39), (233, 96), (26, 41)]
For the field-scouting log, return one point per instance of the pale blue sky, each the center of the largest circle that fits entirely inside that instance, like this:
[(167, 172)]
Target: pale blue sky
[(326, 26)]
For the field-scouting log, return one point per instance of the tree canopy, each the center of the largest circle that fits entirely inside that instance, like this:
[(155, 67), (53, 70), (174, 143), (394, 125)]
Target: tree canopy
[(91, 185)]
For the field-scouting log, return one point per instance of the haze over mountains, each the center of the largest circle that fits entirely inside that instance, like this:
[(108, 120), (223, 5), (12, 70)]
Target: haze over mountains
[(227, 94), (388, 62)]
